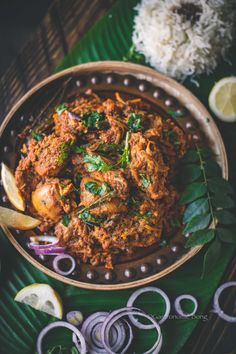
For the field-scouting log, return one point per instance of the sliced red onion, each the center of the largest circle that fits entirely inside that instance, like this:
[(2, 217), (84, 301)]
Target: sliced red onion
[(216, 306), (91, 330), (179, 309), (146, 289), (50, 250), (75, 318), (128, 311), (82, 347), (58, 259)]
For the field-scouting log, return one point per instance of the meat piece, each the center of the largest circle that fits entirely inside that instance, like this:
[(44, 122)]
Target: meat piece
[(76, 230), (116, 179), (52, 198), (147, 167), (50, 155), (114, 206), (68, 122)]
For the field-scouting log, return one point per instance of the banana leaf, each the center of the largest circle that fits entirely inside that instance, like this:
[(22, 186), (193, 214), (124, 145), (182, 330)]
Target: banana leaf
[(111, 39)]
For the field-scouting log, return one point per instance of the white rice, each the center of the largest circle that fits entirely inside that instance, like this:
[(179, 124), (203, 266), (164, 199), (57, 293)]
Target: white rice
[(178, 47)]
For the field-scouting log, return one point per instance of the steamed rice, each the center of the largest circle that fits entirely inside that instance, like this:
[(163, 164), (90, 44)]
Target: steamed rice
[(178, 45)]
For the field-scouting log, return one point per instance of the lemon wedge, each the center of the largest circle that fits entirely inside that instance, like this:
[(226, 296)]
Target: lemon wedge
[(12, 218), (10, 187), (222, 99), (41, 297)]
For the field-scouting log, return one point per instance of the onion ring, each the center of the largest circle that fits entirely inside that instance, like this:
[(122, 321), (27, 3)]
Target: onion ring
[(82, 347), (91, 329), (127, 311), (178, 307), (59, 258), (34, 241), (216, 306), (136, 294)]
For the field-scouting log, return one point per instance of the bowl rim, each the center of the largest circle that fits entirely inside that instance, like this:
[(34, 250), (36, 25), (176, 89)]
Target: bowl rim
[(143, 72)]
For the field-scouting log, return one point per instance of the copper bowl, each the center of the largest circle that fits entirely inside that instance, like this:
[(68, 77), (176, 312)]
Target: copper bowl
[(164, 94)]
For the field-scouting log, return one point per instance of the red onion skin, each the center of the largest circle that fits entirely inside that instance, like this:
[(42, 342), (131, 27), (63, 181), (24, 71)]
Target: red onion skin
[(127, 311), (178, 307), (216, 306), (82, 348), (50, 251), (138, 292)]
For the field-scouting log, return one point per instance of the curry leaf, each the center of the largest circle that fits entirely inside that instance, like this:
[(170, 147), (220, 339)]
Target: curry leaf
[(198, 222), (190, 156), (197, 207), (225, 217), (212, 168), (193, 191), (190, 173), (226, 235), (222, 201), (217, 184), (211, 256), (200, 237)]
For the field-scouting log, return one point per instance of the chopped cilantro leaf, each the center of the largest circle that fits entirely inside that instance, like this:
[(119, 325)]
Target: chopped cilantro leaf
[(65, 149), (144, 180), (96, 189), (36, 136), (61, 108), (79, 149), (135, 122), (96, 163), (65, 220), (125, 158), (94, 120), (87, 217)]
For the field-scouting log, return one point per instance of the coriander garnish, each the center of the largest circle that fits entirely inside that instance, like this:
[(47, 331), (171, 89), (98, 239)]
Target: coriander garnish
[(36, 136), (135, 122), (61, 108), (144, 180), (65, 220), (94, 120), (125, 158), (96, 163), (96, 189)]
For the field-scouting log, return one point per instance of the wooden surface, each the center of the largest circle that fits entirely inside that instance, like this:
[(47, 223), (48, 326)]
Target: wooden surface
[(65, 23)]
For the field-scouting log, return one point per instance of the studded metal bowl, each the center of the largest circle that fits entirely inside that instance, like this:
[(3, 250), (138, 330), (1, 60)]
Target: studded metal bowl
[(164, 94)]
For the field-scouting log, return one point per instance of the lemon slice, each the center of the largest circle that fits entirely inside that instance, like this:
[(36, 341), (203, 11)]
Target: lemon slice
[(12, 218), (222, 99), (10, 187), (41, 297)]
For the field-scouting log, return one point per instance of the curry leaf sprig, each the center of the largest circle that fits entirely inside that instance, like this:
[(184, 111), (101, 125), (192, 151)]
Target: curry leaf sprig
[(207, 197)]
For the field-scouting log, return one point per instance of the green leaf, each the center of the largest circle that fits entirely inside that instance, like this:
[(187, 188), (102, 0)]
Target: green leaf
[(94, 120), (125, 158), (64, 152), (135, 122), (211, 257), (144, 180), (96, 163), (36, 136), (226, 235), (175, 114), (218, 184), (79, 149), (190, 156), (97, 189), (190, 173), (212, 168), (133, 56), (87, 217), (222, 201), (193, 191), (225, 217), (61, 108), (199, 206), (65, 220), (198, 222), (205, 152), (200, 237)]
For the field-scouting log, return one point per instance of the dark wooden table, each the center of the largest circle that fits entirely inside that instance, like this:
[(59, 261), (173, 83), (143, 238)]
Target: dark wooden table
[(64, 24)]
